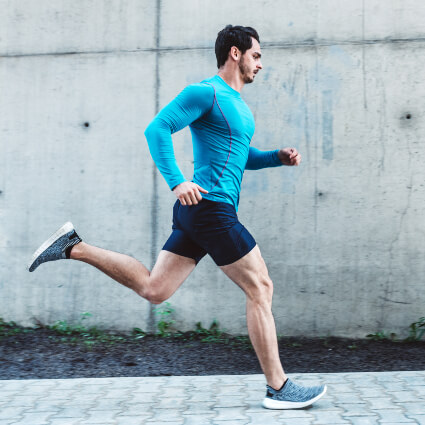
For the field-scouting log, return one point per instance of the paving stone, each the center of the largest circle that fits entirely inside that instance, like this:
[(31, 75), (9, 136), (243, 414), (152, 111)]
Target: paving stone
[(419, 390), (403, 396), (255, 378), (172, 392), (59, 395), (132, 420), (206, 419), (420, 419), (413, 380), (335, 379), (170, 403), (15, 386), (75, 412), (120, 393), (231, 390), (329, 417), (257, 396), (23, 401), (230, 413), (393, 386), (39, 418), (137, 409), (261, 418), (164, 421), (326, 403), (295, 421), (381, 403), (415, 408), (159, 415), (101, 417), (201, 396), (107, 404), (148, 388), (355, 409), (364, 420), (198, 408), (296, 413), (6, 394), (230, 401), (341, 388), (64, 421), (141, 398), (202, 386), (369, 392), (231, 380), (392, 416), (346, 398), (11, 412)]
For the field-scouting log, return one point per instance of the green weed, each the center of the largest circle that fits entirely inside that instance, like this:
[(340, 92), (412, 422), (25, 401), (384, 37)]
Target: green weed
[(382, 336), (80, 333), (166, 322), (11, 328), (416, 330)]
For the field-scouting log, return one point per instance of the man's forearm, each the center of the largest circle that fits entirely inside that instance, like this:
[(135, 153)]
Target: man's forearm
[(262, 159), (158, 136)]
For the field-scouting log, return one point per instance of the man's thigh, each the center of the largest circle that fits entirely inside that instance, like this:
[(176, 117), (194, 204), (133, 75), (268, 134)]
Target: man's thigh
[(248, 271), (170, 271)]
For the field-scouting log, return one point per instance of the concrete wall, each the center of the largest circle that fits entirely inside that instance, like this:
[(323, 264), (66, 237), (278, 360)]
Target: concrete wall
[(342, 82)]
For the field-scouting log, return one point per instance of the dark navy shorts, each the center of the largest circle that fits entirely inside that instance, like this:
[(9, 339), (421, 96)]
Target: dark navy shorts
[(209, 228)]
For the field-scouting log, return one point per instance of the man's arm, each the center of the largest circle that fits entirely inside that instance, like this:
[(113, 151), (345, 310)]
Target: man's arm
[(264, 159), (193, 102)]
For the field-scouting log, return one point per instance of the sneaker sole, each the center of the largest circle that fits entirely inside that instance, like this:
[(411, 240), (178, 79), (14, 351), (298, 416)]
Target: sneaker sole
[(269, 403), (67, 227)]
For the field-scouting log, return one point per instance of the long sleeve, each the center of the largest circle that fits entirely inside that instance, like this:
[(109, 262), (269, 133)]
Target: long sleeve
[(193, 102), (262, 159)]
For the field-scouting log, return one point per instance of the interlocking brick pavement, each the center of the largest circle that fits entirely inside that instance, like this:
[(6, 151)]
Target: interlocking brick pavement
[(352, 398)]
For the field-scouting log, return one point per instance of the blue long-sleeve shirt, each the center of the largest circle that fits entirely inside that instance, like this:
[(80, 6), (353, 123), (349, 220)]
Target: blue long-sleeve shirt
[(222, 127)]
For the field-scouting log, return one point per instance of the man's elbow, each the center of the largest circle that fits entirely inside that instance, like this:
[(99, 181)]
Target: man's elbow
[(155, 127)]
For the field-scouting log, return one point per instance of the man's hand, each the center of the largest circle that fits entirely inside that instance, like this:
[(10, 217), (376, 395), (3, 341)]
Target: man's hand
[(289, 156), (188, 193)]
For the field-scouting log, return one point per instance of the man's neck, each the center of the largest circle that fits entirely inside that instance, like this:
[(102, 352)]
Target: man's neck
[(232, 79)]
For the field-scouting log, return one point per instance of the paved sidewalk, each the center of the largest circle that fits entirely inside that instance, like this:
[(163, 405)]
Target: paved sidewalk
[(352, 398)]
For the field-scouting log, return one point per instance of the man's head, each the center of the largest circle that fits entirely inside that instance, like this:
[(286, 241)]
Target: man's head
[(241, 45)]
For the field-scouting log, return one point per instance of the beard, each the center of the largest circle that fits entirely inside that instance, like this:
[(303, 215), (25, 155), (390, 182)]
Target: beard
[(245, 72)]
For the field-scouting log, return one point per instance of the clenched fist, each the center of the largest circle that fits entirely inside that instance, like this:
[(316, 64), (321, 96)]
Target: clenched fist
[(289, 156)]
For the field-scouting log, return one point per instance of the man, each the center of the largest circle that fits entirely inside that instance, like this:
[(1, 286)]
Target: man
[(204, 215)]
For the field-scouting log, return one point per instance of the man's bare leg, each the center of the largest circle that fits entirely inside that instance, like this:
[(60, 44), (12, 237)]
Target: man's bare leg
[(169, 272), (251, 275)]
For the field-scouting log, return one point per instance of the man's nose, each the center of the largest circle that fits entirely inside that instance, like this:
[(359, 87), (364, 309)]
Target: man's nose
[(259, 65)]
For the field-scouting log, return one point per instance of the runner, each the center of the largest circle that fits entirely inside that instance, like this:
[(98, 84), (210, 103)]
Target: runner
[(204, 215)]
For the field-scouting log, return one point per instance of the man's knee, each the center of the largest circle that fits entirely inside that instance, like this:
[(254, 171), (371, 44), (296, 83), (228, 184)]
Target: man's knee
[(154, 292), (262, 290)]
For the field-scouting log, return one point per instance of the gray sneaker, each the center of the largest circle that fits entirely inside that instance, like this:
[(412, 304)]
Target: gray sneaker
[(292, 396), (56, 247)]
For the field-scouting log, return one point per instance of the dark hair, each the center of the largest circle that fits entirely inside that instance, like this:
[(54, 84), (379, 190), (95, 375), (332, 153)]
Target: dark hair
[(237, 36)]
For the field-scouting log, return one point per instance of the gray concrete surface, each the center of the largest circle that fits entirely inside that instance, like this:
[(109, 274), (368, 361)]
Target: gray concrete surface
[(352, 398), (342, 234)]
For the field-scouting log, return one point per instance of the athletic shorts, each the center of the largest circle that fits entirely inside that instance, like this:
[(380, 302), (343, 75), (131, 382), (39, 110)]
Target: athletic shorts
[(209, 228)]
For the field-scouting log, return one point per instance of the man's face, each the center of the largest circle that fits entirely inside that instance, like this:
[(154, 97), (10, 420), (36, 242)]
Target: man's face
[(250, 62)]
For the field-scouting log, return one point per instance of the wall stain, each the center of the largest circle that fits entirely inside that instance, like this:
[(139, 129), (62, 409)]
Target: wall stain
[(327, 125)]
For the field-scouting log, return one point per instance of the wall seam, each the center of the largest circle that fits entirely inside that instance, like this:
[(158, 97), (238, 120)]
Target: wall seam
[(154, 199), (264, 45)]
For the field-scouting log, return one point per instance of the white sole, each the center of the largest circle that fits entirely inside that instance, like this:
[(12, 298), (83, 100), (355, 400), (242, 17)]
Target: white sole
[(67, 227), (268, 403)]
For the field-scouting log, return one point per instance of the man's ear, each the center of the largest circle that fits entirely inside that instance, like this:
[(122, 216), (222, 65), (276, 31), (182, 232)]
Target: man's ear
[(235, 53)]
